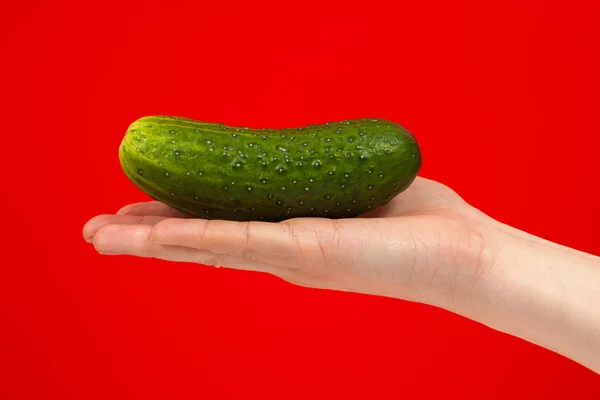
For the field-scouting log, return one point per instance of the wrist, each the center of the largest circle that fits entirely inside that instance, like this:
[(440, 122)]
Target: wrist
[(542, 292)]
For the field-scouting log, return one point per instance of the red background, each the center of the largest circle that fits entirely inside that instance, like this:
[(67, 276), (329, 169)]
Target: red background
[(502, 95)]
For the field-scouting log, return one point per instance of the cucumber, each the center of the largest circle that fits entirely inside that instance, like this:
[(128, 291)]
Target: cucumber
[(214, 171)]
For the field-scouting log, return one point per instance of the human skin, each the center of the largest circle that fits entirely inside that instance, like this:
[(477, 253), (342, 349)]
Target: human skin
[(427, 245)]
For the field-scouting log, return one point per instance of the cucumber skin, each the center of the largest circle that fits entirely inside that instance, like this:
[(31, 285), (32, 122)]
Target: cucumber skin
[(213, 171)]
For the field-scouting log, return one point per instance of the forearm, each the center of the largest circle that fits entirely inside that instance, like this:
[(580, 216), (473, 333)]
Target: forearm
[(544, 293)]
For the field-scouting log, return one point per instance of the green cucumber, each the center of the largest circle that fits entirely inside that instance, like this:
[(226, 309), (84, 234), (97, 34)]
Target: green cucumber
[(214, 171)]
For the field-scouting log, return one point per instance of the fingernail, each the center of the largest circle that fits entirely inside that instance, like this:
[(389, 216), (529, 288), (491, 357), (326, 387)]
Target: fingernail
[(89, 239), (109, 252)]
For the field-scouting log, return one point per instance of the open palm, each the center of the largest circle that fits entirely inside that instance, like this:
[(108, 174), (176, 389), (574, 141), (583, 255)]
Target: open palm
[(421, 246)]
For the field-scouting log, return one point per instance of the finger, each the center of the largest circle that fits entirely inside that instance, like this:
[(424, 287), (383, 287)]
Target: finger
[(134, 240), (151, 208), (272, 243), (100, 221)]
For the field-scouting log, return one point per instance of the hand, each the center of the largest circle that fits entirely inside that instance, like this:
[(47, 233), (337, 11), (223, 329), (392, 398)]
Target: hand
[(426, 245)]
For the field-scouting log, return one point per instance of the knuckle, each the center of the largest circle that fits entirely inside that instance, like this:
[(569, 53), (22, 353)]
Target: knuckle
[(314, 256), (289, 233), (205, 228), (156, 232), (216, 261), (246, 248), (246, 235), (328, 241)]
